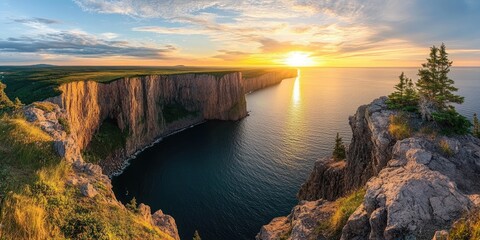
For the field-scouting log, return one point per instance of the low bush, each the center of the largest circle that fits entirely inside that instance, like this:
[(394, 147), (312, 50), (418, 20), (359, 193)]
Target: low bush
[(451, 122)]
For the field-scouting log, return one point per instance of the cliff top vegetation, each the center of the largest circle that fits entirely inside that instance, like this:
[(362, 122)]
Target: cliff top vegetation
[(35, 83)]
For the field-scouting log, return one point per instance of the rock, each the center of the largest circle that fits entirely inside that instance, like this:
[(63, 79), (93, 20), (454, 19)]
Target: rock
[(88, 190), (33, 114), (440, 235), (92, 169), (302, 223), (166, 223), (410, 200), (279, 227), (326, 181), (145, 212)]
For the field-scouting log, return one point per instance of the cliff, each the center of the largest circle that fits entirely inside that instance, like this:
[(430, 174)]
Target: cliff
[(149, 107), (413, 187), (253, 83)]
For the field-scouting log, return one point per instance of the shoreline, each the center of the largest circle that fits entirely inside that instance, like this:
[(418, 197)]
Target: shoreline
[(157, 140)]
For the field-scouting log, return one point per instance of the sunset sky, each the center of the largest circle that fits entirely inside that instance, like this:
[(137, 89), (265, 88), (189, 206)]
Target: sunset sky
[(346, 33)]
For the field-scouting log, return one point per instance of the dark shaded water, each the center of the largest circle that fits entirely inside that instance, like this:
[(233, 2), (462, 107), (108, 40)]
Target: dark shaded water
[(227, 179)]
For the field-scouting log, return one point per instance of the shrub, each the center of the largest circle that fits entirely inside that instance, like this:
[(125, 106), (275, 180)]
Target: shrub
[(399, 127), (84, 225), (108, 139), (132, 205), (451, 122)]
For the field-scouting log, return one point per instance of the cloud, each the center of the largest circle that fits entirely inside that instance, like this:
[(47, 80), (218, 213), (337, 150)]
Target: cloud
[(77, 43), (36, 20)]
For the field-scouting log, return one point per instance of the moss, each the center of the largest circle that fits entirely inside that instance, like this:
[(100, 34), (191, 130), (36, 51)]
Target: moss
[(174, 111), (332, 228), (108, 139)]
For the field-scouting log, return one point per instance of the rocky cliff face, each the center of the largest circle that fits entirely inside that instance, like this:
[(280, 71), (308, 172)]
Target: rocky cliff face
[(142, 106), (268, 79), (413, 187)]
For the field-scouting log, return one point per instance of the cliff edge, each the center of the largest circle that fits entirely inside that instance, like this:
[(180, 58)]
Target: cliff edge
[(412, 187)]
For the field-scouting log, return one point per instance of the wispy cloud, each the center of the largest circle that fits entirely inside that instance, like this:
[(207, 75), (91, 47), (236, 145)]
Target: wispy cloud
[(36, 20)]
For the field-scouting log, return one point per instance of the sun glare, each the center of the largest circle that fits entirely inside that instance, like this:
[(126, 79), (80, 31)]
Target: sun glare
[(299, 59)]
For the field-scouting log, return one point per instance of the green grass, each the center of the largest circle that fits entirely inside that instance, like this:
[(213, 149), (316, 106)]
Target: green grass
[(107, 140), (36, 202), (399, 127), (345, 207), (31, 84)]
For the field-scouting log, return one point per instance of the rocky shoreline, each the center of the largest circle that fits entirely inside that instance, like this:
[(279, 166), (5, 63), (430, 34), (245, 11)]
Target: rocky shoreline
[(414, 188)]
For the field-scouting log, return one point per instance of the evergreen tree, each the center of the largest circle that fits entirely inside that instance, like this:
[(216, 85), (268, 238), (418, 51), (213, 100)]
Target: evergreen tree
[(405, 97), (196, 236), (339, 152), (435, 88), (476, 126)]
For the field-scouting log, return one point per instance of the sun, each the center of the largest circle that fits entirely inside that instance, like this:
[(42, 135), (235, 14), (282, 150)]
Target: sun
[(299, 59)]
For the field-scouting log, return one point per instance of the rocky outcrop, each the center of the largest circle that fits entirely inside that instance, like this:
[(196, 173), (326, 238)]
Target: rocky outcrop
[(414, 187), (418, 192), (166, 223), (368, 153), (269, 78), (301, 224), (326, 181)]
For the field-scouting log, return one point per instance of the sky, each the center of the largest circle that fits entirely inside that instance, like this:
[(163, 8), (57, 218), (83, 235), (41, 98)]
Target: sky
[(342, 33)]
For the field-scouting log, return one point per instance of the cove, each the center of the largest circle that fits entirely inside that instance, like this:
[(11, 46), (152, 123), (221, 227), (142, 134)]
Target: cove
[(227, 179)]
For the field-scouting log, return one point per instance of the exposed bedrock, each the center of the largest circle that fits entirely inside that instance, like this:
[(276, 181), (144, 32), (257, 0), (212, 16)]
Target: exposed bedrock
[(414, 187)]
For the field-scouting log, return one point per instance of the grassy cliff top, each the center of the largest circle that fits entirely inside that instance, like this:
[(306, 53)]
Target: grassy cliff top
[(34, 83)]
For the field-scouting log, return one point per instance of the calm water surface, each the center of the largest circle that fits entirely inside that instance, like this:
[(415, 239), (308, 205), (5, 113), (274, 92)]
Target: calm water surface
[(227, 179)]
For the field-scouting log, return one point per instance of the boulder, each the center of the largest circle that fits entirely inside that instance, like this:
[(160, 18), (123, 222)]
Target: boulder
[(88, 190)]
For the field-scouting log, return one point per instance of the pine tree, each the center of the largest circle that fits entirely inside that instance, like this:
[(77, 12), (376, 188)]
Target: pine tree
[(339, 149), (476, 126), (196, 236), (435, 88), (405, 97)]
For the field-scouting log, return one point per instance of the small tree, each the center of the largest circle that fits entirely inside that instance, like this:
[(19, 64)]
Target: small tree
[(405, 97), (196, 236), (476, 126), (132, 205), (435, 88), (339, 149)]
